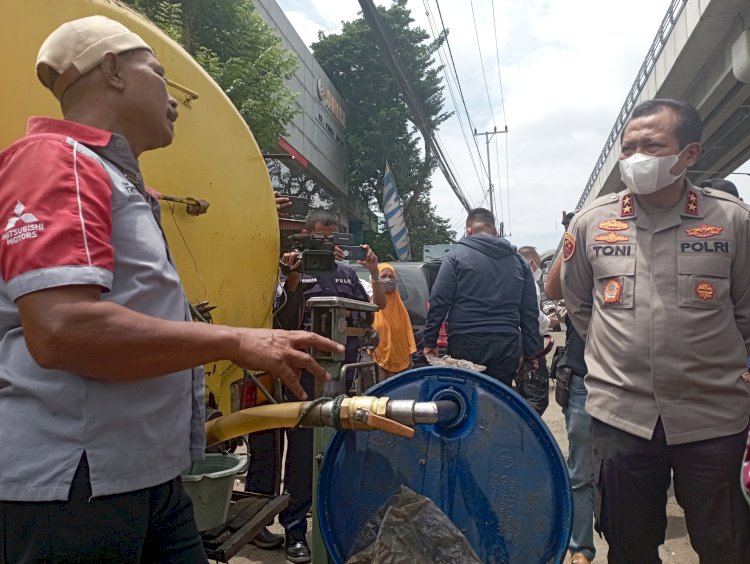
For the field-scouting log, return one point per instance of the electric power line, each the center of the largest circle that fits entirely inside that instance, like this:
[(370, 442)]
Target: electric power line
[(497, 56), (481, 61), (505, 119), (458, 82), (413, 102), (452, 91)]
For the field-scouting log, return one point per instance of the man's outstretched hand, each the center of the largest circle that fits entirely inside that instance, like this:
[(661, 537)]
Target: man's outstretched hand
[(283, 354)]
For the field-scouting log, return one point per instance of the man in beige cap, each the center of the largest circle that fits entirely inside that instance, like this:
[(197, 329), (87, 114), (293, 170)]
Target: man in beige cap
[(100, 369)]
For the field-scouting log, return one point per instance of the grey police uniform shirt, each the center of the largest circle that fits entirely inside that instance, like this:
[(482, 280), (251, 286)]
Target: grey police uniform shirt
[(136, 434), (665, 312)]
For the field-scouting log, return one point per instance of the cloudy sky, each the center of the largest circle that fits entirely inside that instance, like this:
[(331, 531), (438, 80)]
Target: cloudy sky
[(565, 66)]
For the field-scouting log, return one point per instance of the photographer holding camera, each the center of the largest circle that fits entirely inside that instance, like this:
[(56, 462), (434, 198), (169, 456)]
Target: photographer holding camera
[(321, 227)]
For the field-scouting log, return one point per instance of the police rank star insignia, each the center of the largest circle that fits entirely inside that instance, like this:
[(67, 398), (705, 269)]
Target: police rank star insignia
[(626, 206), (611, 238), (569, 246), (691, 203), (612, 291), (704, 231), (613, 225), (704, 290)]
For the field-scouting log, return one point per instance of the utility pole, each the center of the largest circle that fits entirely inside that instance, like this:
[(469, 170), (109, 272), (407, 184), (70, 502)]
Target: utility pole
[(488, 135)]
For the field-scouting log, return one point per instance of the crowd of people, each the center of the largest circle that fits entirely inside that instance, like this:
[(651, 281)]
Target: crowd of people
[(99, 358)]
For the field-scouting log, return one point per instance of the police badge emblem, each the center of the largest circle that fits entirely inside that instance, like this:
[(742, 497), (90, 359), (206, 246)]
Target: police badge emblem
[(569, 246), (612, 291), (613, 225), (704, 231), (611, 238), (704, 290)]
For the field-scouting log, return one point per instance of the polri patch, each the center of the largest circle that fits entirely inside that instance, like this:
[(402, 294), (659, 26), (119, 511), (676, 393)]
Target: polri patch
[(705, 290), (613, 225), (569, 246), (611, 238), (704, 231), (612, 291)]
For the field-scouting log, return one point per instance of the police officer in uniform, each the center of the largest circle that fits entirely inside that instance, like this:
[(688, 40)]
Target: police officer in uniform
[(298, 287), (657, 281)]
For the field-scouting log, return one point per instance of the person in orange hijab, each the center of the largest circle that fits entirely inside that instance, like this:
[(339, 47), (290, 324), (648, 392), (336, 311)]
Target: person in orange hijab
[(393, 354)]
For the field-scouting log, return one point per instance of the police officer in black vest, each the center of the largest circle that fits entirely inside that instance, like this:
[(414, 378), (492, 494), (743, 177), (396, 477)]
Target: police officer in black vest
[(298, 287)]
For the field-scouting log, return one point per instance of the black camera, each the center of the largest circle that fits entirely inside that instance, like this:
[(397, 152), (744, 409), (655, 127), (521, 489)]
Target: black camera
[(298, 208), (316, 250)]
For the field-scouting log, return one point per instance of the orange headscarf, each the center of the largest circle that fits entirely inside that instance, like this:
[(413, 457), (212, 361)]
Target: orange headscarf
[(394, 327)]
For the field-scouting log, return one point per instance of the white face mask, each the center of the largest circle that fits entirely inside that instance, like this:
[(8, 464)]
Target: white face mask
[(537, 274), (645, 175)]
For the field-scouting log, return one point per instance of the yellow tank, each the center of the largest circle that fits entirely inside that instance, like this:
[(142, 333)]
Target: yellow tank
[(227, 256)]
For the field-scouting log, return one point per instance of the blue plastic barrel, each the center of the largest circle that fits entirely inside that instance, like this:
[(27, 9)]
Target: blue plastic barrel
[(498, 474)]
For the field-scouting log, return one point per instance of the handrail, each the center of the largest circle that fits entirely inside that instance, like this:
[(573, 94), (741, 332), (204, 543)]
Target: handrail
[(665, 29)]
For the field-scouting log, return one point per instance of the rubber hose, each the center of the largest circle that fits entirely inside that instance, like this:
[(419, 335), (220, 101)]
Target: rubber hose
[(253, 419)]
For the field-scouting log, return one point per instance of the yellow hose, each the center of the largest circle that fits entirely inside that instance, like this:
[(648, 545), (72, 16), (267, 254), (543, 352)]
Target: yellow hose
[(253, 419)]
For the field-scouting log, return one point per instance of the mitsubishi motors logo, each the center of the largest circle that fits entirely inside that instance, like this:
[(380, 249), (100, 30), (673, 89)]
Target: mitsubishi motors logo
[(20, 216), (28, 226)]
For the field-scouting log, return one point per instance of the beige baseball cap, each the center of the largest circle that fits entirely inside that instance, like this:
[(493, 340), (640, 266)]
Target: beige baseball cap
[(76, 47)]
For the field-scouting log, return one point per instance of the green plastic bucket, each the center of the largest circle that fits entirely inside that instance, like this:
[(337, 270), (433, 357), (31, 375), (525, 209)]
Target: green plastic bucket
[(209, 484)]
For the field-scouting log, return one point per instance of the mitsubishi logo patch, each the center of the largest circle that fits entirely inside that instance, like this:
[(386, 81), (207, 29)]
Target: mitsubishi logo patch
[(23, 225), (20, 216)]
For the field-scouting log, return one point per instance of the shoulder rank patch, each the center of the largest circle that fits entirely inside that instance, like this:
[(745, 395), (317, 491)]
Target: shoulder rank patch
[(691, 203), (612, 291), (627, 209), (704, 290), (613, 225), (611, 238), (569, 246), (704, 231)]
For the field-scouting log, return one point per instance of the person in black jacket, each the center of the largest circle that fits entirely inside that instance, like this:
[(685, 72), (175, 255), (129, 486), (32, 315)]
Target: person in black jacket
[(489, 289)]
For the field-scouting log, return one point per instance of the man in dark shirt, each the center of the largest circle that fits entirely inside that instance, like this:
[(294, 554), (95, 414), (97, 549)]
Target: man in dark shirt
[(489, 289)]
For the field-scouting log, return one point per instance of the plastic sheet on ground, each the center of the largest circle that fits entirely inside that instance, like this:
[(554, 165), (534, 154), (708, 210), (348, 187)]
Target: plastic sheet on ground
[(451, 362), (411, 529)]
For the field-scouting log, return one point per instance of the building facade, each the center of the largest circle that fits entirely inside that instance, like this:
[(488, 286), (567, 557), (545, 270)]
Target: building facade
[(315, 148)]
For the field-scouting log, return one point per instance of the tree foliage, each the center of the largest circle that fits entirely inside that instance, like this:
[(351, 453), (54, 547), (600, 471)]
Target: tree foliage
[(240, 51), (379, 125)]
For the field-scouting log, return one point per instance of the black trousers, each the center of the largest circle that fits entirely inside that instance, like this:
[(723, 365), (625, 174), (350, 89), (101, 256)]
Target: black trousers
[(261, 470), (499, 352), (298, 472), (150, 525), (633, 476)]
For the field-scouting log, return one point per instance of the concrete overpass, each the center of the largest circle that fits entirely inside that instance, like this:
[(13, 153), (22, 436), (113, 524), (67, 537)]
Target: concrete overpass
[(700, 54)]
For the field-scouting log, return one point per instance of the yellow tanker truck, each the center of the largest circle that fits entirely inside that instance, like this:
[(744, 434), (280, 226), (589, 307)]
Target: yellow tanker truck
[(226, 256)]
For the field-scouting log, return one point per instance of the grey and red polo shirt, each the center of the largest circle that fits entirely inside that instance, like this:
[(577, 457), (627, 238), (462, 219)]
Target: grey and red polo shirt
[(74, 211)]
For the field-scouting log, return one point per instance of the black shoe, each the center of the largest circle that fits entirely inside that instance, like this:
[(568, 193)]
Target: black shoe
[(267, 540), (297, 551)]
